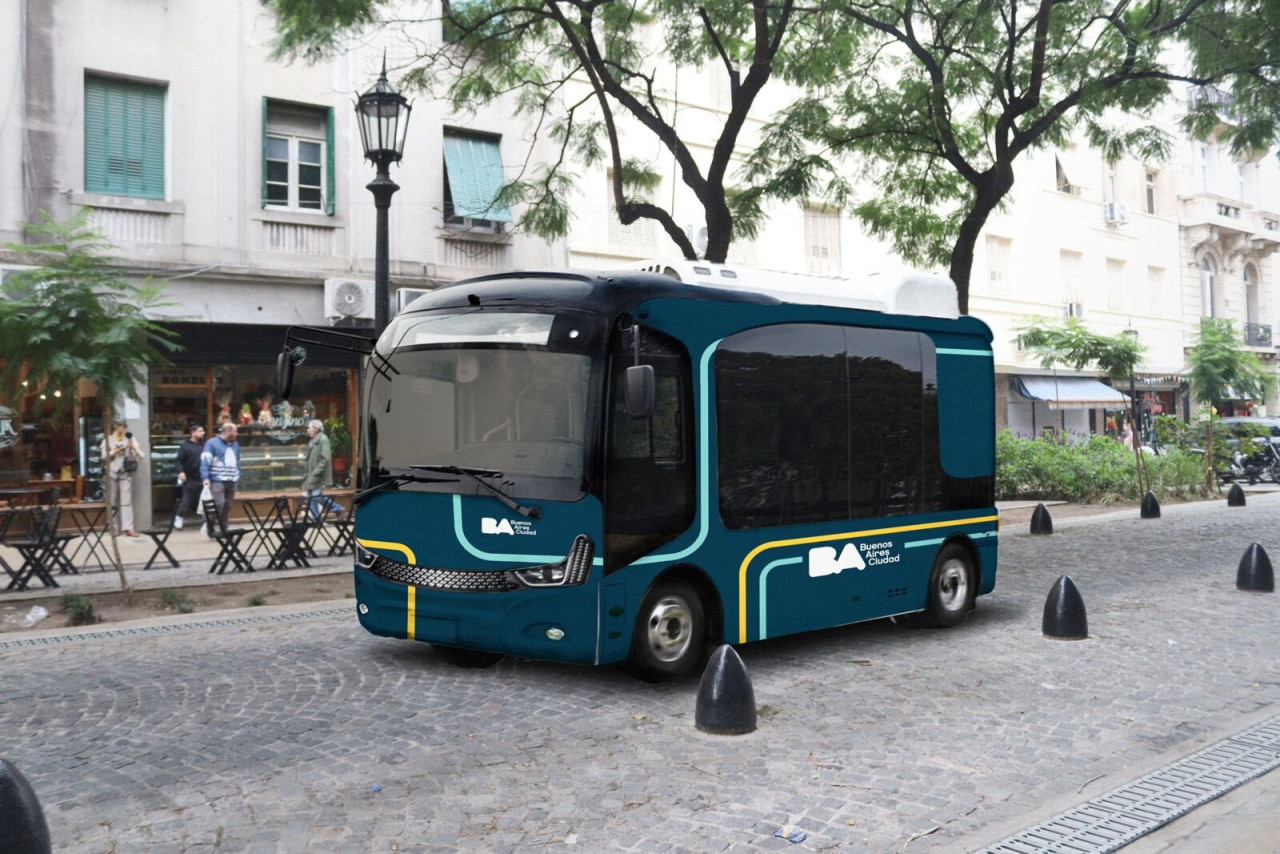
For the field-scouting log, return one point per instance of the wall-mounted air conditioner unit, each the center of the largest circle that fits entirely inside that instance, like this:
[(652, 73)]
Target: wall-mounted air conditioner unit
[(404, 296), (697, 236), (348, 299), (7, 289), (1115, 213)]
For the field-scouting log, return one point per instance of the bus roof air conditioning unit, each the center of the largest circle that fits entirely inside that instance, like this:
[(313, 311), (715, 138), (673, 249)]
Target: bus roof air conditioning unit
[(404, 296), (348, 299)]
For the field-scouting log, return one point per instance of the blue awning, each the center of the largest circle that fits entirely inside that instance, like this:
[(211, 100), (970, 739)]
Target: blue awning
[(1071, 392), (474, 166)]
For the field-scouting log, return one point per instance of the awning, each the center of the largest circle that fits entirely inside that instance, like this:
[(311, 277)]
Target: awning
[(1071, 392)]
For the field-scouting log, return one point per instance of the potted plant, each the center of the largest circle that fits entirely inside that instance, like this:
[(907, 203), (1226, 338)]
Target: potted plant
[(339, 442)]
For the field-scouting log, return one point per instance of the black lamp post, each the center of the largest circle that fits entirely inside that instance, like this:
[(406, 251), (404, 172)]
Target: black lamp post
[(384, 119)]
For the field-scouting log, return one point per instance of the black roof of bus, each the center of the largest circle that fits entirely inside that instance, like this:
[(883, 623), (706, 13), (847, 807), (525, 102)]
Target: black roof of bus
[(608, 293)]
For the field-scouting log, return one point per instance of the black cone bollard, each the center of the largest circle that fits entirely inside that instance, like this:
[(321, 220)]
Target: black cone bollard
[(1150, 507), (1255, 571), (726, 700), (1064, 615), (1041, 522), (1235, 497), (22, 826)]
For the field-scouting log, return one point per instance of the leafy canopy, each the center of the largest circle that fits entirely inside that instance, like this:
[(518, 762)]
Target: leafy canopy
[(1073, 344), (924, 106), (1219, 369), (76, 316), (596, 81)]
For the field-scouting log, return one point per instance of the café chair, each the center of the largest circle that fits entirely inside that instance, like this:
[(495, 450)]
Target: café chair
[(160, 536), (43, 550), (291, 535), (228, 539)]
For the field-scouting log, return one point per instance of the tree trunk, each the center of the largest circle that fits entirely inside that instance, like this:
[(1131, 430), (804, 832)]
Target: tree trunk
[(993, 186)]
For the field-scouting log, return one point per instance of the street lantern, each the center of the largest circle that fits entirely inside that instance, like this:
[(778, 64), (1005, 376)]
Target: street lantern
[(384, 120)]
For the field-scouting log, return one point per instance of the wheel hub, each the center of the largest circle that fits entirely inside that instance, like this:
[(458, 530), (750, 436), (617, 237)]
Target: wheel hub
[(953, 586), (669, 622)]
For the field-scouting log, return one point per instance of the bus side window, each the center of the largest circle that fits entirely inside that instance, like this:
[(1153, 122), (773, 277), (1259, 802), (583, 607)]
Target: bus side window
[(649, 480)]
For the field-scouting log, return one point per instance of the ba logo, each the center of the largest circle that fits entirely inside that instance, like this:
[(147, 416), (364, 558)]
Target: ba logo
[(825, 561), (489, 525)]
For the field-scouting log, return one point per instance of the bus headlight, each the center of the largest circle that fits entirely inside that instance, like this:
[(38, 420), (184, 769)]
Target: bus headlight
[(364, 557), (571, 571)]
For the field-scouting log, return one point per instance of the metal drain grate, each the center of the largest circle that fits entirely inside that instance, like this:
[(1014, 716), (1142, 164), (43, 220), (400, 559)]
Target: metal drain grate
[(22, 643), (1113, 820)]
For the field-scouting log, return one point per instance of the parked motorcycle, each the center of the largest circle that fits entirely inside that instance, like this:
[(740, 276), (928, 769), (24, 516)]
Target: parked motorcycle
[(1262, 460)]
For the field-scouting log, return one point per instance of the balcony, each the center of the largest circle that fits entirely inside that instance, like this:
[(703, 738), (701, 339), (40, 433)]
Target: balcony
[(1231, 222), (1257, 335)]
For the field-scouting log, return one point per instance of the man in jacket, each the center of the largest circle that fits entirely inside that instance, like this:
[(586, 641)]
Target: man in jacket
[(220, 469), (187, 465), (319, 472)]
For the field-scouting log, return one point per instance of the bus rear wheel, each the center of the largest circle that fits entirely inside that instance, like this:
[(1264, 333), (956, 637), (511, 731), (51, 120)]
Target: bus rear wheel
[(471, 659), (952, 587), (669, 635)]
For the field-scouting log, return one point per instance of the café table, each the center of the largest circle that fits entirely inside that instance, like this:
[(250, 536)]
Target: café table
[(88, 519), (264, 511)]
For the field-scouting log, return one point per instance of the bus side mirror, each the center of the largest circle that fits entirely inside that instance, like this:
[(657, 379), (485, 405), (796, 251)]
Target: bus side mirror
[(288, 359), (639, 390)]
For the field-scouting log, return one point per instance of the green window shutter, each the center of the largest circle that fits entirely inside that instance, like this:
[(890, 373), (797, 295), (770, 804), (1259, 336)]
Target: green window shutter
[(124, 138), (263, 187), (474, 166), (329, 181)]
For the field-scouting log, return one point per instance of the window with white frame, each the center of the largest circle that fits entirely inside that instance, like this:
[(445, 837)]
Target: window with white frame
[(822, 241), (1071, 271), (1115, 284), (998, 250), (297, 157), (1150, 196), (1155, 284), (1210, 298), (473, 181)]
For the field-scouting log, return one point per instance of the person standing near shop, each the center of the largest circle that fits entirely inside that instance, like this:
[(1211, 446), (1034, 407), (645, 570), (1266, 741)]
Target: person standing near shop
[(122, 455), (319, 471), (220, 470), (187, 465)]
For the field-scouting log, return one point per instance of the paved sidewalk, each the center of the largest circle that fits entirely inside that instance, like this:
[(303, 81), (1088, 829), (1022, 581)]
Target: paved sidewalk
[(195, 554)]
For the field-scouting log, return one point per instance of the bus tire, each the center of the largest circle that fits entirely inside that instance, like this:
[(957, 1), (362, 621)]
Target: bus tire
[(953, 587), (669, 635), (471, 659)]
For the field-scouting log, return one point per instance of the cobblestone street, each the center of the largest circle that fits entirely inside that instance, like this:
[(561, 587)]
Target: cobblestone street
[(300, 732)]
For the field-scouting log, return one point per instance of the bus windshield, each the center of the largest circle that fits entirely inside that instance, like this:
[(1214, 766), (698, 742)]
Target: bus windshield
[(499, 391)]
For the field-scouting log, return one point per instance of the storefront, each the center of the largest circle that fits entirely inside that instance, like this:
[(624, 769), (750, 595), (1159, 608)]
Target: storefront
[(227, 372), (41, 438)]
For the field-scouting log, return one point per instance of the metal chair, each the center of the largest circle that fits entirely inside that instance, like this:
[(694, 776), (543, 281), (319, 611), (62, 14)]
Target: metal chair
[(228, 539), (160, 536)]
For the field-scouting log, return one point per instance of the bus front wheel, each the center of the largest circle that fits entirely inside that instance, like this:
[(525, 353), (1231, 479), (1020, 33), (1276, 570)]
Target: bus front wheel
[(952, 587), (669, 634)]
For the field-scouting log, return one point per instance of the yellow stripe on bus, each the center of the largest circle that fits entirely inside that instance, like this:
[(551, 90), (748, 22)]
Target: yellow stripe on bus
[(746, 562), (412, 596), (395, 547)]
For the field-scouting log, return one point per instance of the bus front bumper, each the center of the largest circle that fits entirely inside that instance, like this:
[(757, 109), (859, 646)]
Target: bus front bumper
[(517, 623)]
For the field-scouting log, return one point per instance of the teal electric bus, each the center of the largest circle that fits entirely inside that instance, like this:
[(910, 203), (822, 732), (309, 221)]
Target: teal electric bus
[(637, 466)]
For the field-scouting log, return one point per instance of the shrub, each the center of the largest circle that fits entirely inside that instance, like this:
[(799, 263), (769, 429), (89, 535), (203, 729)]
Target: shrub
[(1097, 471), (79, 610), (177, 601), (257, 600)]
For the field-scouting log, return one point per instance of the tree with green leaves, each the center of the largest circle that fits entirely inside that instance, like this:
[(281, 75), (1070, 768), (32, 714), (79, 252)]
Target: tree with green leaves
[(929, 104), (75, 317), (1219, 369), (598, 78), (1073, 344)]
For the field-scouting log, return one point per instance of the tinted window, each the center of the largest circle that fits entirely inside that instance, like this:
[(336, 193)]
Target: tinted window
[(818, 423)]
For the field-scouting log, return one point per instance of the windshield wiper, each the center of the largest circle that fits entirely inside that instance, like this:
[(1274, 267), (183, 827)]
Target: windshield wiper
[(394, 480), (476, 475)]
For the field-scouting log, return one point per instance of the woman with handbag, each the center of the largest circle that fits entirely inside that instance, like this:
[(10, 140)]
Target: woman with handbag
[(121, 456)]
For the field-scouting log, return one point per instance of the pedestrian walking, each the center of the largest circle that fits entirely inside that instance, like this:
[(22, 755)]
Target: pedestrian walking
[(220, 471), (187, 465), (319, 472), (122, 455)]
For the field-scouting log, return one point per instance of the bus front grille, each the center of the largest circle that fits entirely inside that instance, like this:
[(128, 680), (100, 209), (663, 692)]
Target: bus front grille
[(461, 580)]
